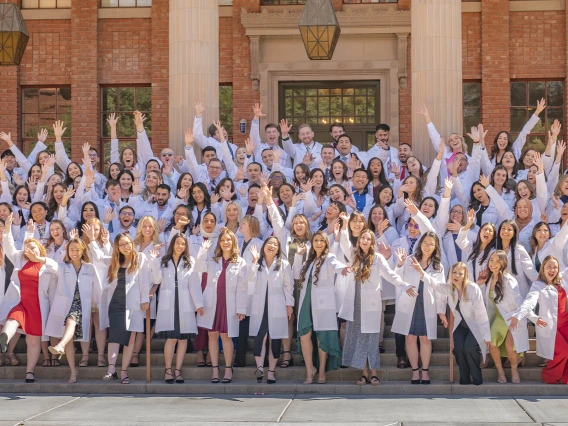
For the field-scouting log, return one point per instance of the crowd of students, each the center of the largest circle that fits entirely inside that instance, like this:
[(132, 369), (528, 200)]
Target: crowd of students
[(276, 240)]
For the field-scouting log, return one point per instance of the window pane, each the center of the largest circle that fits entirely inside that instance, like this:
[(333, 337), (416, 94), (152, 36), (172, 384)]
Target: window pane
[(536, 142), (46, 122), (471, 94), (148, 125), (144, 3), (555, 93), (348, 106), (226, 97), (47, 101), (311, 107), (109, 3), (144, 98), (64, 4), (126, 98), (471, 117), (536, 92), (126, 127), (31, 123), (30, 4), (361, 105), (554, 114), (47, 4), (109, 101), (31, 100), (127, 3), (518, 119), (323, 108), (519, 94), (64, 100)]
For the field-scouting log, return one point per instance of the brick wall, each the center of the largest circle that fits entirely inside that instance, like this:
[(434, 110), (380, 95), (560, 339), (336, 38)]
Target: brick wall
[(538, 44), (226, 50), (159, 74), (471, 46), (495, 66)]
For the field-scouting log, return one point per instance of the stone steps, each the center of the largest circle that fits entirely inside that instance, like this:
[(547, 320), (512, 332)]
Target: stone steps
[(248, 387)]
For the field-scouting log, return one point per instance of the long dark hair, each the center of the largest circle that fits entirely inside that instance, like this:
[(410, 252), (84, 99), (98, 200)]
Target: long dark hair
[(277, 258), (317, 261), (324, 189), (509, 185), (474, 203), (370, 224), (125, 172), (499, 290), (172, 223), (533, 241), (170, 253), (342, 209), (382, 175), (221, 183), (206, 199), (381, 189), (352, 238), (436, 256), (495, 149), (513, 245), (436, 205), (68, 179), (477, 245), (52, 205), (14, 202), (82, 220)]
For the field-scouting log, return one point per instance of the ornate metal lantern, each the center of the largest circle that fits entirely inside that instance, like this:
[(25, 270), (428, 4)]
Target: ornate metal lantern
[(319, 29), (14, 35)]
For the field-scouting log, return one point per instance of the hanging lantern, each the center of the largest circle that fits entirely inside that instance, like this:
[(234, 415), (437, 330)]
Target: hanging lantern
[(319, 29), (14, 35)]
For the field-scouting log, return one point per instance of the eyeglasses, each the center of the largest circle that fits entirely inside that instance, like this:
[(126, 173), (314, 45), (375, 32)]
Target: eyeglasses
[(127, 214), (167, 154), (93, 155), (276, 178), (410, 226), (215, 167)]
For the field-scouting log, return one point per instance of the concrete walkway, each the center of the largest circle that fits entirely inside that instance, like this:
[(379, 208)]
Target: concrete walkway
[(106, 410)]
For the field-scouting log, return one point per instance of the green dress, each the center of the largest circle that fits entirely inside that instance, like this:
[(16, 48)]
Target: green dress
[(499, 328), (328, 340)]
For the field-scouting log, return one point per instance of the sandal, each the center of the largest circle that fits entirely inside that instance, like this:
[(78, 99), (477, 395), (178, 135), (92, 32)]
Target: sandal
[(179, 375), (543, 363), (84, 361), (271, 381), (55, 362), (424, 382), (101, 362), (46, 362), (260, 376), (225, 380), (208, 364), (134, 355), (215, 379), (56, 350), (13, 360), (111, 376), (287, 362), (415, 381), (30, 380), (375, 381), (169, 381), (72, 379), (125, 380), (363, 381)]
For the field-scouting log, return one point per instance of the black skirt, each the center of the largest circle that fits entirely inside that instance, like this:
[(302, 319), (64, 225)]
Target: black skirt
[(117, 332)]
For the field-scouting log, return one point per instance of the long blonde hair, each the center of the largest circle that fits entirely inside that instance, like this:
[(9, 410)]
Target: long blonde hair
[(362, 262), (234, 251), (118, 258), (139, 238), (92, 222), (145, 194), (315, 259), (40, 246), (85, 251), (466, 281)]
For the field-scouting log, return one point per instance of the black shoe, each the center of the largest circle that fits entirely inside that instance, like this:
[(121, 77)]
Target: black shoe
[(402, 362), (417, 381), (3, 343), (169, 381), (287, 362), (179, 375), (228, 380), (215, 379), (381, 349), (424, 382), (109, 376), (271, 381), (134, 355), (259, 374), (30, 380)]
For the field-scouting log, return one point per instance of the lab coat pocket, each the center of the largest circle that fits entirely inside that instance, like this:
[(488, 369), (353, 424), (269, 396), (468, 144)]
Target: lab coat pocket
[(208, 297), (324, 298), (277, 306), (164, 303), (184, 301)]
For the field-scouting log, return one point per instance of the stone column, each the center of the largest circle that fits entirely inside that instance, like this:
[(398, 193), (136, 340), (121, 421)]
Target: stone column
[(436, 51), (194, 65)]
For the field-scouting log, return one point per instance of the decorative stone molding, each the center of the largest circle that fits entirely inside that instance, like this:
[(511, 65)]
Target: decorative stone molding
[(254, 61), (352, 21), (402, 60)]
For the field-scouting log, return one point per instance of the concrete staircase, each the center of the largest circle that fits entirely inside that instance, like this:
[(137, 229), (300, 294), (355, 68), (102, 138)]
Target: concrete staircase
[(289, 381)]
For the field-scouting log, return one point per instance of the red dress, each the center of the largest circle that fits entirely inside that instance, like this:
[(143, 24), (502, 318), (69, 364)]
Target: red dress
[(220, 321), (557, 369), (28, 311)]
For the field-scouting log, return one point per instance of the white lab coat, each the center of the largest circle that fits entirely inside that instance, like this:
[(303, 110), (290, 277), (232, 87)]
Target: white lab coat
[(47, 279), (323, 291), (371, 298), (405, 303), (137, 290), (280, 287), (153, 266), (511, 301), (554, 246), (473, 310), (466, 245), (236, 290), (190, 297), (547, 298), (89, 288), (526, 272)]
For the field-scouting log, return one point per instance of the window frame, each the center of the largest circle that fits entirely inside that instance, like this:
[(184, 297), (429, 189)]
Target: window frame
[(39, 6), (118, 5), (23, 140), (464, 108), (105, 140), (228, 112)]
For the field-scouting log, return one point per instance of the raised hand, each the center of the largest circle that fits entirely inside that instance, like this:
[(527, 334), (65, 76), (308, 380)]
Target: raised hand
[(423, 111), (454, 226), (136, 187), (89, 231), (308, 159), (206, 244), (395, 170), (254, 253), (51, 160), (6, 137), (215, 197), (301, 249), (30, 255), (8, 223), (278, 155), (316, 215), (240, 174), (154, 254), (307, 187), (257, 111), (182, 193), (139, 118), (538, 161), (182, 222), (385, 250), (219, 128), (189, 139), (540, 106), (109, 215), (105, 236), (382, 226), (67, 195), (484, 180), (470, 217), (560, 148), (42, 135), (59, 130), (285, 128), (199, 108), (74, 233), (112, 119), (250, 146), (482, 278), (162, 222), (401, 256), (410, 207), (416, 265), (555, 129)]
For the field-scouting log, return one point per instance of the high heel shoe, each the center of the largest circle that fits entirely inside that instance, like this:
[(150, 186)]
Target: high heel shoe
[(271, 381), (179, 375), (32, 379), (310, 380), (417, 381), (125, 380), (134, 355), (287, 362), (56, 350), (424, 382), (111, 376), (261, 376), (215, 379), (228, 380), (72, 379), (169, 381)]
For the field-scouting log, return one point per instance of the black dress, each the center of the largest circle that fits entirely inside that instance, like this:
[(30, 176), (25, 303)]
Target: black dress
[(117, 312), (175, 333)]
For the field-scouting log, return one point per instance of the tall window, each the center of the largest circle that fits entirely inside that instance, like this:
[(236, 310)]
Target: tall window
[(46, 4), (226, 108), (524, 96), (124, 101), (353, 103), (41, 107), (126, 3), (471, 106)]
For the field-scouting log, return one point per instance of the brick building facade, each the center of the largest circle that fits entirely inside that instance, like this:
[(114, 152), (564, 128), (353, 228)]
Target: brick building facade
[(96, 52)]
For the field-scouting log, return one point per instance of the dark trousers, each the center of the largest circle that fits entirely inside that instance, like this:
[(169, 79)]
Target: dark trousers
[(400, 342), (242, 342), (468, 358)]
